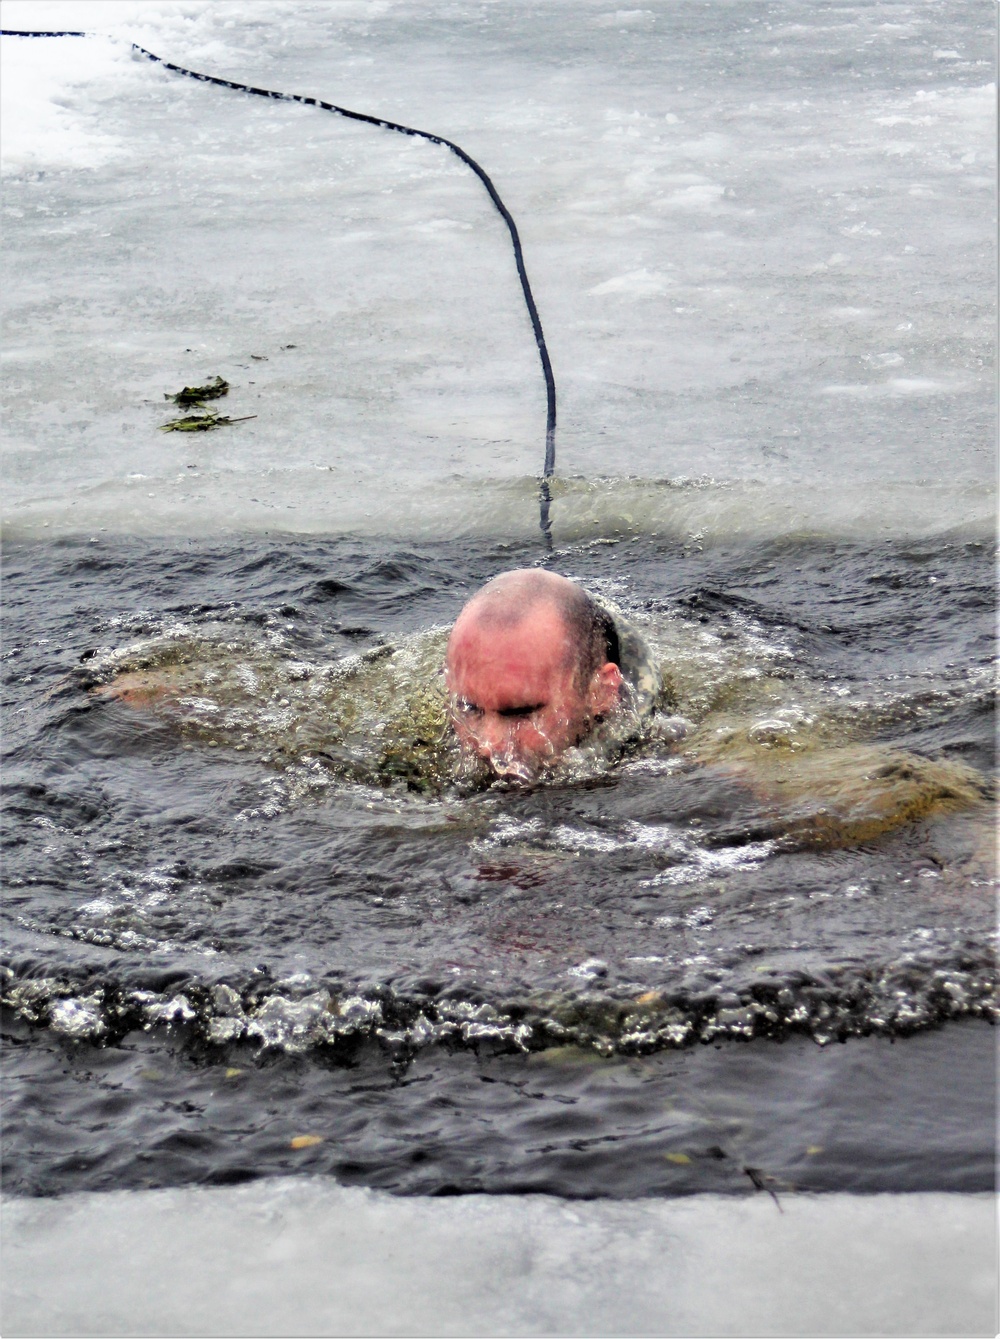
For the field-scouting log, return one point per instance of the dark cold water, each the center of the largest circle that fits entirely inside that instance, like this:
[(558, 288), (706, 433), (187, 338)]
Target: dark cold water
[(226, 931)]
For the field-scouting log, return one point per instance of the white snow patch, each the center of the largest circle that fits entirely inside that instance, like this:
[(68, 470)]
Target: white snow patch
[(45, 88), (310, 1257), (637, 283), (625, 18), (895, 388)]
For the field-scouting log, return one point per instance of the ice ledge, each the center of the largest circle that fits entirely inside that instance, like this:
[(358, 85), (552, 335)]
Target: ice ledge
[(310, 1257), (698, 511)]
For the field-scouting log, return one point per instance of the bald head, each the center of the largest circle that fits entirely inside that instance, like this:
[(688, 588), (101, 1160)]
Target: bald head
[(508, 600), (531, 662)]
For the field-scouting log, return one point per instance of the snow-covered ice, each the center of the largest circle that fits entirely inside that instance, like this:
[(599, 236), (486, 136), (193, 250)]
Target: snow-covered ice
[(309, 1257), (761, 238)]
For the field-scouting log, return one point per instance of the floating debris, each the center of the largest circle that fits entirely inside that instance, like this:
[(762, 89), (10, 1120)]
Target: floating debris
[(196, 395), (202, 422)]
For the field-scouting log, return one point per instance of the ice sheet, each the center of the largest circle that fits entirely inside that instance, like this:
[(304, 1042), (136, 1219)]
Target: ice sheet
[(762, 244), (309, 1257)]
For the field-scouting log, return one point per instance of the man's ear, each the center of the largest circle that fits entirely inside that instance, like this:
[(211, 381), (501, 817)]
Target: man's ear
[(605, 689)]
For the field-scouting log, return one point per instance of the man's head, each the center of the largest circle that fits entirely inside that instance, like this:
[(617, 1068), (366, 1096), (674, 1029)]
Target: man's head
[(530, 666)]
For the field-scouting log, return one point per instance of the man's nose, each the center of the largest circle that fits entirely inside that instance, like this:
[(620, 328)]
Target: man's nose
[(493, 736), (498, 743)]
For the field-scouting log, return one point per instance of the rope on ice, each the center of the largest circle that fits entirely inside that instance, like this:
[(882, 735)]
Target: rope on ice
[(548, 468)]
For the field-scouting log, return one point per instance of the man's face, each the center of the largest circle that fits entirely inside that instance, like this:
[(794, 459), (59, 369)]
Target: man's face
[(515, 701)]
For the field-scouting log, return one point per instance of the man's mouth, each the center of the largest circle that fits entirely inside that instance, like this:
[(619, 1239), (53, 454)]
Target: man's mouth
[(503, 764), (511, 767)]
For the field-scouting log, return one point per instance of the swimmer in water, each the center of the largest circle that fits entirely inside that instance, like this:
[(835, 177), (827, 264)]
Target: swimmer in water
[(538, 672), (533, 663)]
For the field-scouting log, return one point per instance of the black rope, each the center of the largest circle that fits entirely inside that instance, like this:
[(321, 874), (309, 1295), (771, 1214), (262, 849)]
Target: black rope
[(548, 469)]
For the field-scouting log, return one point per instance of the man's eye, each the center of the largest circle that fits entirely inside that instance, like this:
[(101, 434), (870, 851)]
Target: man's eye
[(520, 713)]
